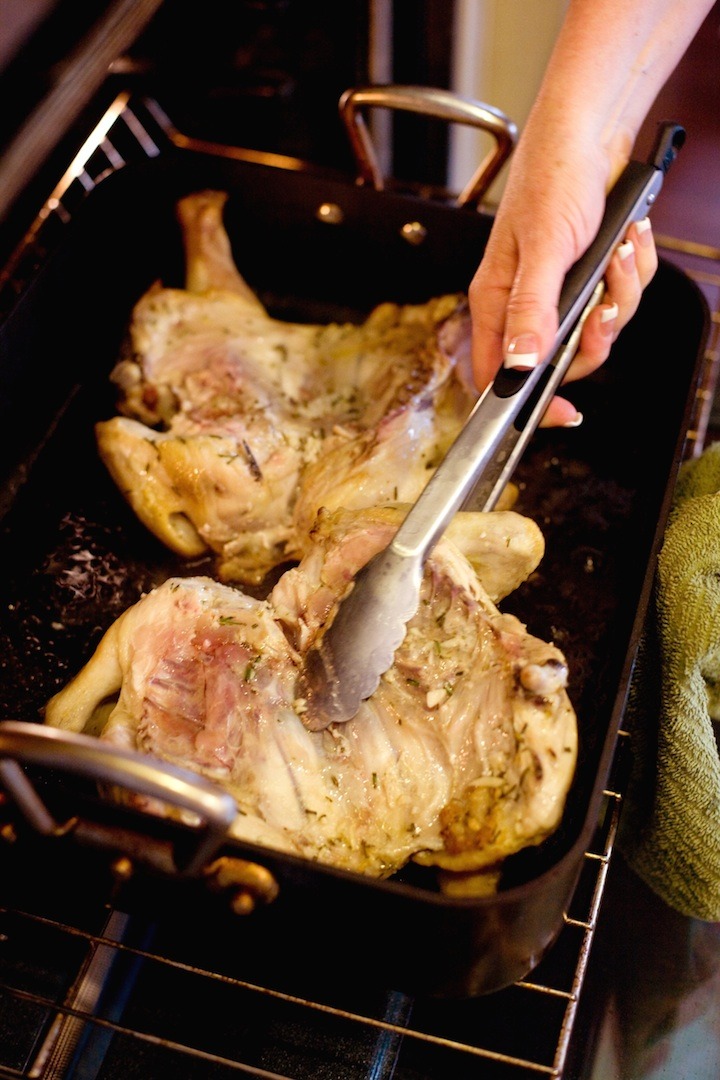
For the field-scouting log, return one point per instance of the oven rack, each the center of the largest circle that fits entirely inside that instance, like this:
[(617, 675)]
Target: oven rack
[(133, 129), (86, 988), (123, 135), (701, 263), (78, 987)]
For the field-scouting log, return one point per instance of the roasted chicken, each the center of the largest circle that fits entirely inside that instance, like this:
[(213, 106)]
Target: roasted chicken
[(237, 427), (463, 756)]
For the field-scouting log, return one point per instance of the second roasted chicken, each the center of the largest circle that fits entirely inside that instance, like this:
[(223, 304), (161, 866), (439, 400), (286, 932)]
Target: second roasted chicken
[(237, 427)]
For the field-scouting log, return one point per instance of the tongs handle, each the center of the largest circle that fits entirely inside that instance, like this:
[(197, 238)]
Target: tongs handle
[(484, 454), (87, 756)]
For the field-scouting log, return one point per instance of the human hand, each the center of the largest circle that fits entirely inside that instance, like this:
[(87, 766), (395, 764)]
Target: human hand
[(542, 227)]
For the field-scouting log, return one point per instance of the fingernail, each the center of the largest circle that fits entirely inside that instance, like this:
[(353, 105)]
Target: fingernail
[(522, 352), (643, 229), (575, 422), (626, 249), (608, 315)]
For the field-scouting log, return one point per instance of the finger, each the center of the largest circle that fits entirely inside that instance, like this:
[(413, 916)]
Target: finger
[(531, 320), (513, 326), (531, 304), (599, 334), (489, 293), (646, 256), (561, 413), (487, 306), (603, 324), (623, 284), (630, 270)]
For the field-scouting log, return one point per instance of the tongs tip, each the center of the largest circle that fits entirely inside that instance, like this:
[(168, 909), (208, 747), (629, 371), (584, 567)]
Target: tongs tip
[(319, 691), (344, 667)]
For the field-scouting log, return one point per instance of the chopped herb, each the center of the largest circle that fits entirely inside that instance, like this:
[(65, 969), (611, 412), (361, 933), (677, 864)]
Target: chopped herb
[(250, 669)]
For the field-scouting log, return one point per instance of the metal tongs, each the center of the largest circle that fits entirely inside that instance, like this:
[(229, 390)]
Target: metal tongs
[(358, 647)]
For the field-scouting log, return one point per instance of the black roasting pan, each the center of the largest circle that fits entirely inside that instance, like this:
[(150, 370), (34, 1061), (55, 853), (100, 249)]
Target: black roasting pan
[(74, 557)]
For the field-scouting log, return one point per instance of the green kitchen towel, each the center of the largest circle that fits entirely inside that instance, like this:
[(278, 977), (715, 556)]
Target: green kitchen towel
[(670, 825)]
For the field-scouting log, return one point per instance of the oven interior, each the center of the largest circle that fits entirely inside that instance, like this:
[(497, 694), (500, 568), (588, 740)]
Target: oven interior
[(90, 989)]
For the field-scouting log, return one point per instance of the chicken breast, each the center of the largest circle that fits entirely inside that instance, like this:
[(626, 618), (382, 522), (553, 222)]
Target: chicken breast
[(237, 427), (463, 756)]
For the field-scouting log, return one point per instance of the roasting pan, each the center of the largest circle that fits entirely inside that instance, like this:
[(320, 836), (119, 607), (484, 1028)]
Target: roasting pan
[(314, 246)]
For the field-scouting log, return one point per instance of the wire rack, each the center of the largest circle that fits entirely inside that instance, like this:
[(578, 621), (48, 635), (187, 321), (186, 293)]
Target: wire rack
[(88, 990), (701, 263)]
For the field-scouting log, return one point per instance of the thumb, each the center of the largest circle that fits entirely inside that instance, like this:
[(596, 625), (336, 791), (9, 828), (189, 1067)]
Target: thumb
[(516, 329), (514, 313), (531, 317)]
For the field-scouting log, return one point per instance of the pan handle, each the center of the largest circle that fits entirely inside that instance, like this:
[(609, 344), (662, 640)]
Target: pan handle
[(443, 104), (87, 756)]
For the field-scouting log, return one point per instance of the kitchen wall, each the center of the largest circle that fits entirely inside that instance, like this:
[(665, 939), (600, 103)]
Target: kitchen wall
[(18, 19), (500, 49)]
